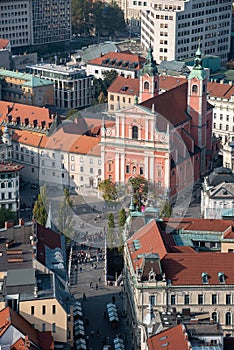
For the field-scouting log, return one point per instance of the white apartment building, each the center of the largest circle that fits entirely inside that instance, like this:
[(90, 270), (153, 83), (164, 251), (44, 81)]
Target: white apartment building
[(174, 28), (221, 96), (26, 22), (73, 87)]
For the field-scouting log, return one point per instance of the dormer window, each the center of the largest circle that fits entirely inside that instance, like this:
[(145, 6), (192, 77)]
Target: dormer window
[(221, 277), (205, 277)]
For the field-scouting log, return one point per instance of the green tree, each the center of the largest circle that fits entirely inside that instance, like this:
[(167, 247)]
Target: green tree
[(7, 215), (140, 190), (102, 98), (122, 217), (110, 230), (109, 77), (72, 113), (108, 189), (166, 210), (81, 16), (40, 209), (65, 215)]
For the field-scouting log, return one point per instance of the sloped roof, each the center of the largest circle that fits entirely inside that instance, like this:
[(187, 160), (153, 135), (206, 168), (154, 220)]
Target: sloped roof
[(43, 340), (171, 339), (10, 167), (219, 175), (120, 60), (27, 79), (125, 86), (178, 99), (181, 269), (222, 191), (146, 240), (220, 90), (25, 113), (27, 137), (4, 43), (197, 224)]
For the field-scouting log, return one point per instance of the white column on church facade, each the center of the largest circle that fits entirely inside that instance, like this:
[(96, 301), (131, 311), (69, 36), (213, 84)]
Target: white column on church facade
[(117, 167), (117, 126), (122, 166), (146, 129), (151, 173), (146, 170), (123, 128), (152, 130), (167, 173)]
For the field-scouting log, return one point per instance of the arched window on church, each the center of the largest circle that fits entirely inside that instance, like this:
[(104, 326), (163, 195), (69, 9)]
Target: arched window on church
[(146, 85), (134, 170), (204, 87), (159, 185), (135, 132), (194, 88)]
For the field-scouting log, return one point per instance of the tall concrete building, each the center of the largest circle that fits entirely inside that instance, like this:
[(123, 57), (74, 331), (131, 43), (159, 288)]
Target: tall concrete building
[(174, 28), (35, 22)]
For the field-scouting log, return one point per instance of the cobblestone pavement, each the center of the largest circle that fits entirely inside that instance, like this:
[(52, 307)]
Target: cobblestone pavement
[(98, 329)]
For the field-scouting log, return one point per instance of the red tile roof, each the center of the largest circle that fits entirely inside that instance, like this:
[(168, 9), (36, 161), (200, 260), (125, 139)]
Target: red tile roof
[(166, 82), (4, 43), (120, 57), (10, 167), (125, 86), (30, 138), (25, 113), (220, 90), (178, 98), (150, 241), (8, 318), (198, 224), (174, 338), (181, 269)]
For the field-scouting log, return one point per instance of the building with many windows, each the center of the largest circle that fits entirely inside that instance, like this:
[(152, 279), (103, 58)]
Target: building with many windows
[(72, 86), (174, 28), (35, 22), (25, 88), (160, 274)]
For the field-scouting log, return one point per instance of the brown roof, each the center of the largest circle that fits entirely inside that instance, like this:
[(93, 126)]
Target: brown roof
[(197, 224), (125, 86), (9, 317), (220, 90), (174, 338), (10, 167), (119, 60), (27, 137), (46, 238), (167, 82), (3, 43), (25, 114), (146, 240), (181, 269), (178, 99)]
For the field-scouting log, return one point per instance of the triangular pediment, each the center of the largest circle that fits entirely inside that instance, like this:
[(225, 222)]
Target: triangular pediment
[(135, 109), (223, 192)]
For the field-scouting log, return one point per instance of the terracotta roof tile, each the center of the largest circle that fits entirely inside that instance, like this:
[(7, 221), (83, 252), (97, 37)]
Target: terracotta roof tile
[(25, 113), (120, 57), (181, 270), (9, 317), (125, 86), (178, 98), (3, 43), (29, 138), (198, 224), (146, 240), (171, 339), (167, 82), (220, 90)]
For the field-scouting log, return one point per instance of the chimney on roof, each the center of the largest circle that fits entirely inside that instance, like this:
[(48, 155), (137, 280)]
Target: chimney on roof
[(230, 83), (9, 224), (21, 222)]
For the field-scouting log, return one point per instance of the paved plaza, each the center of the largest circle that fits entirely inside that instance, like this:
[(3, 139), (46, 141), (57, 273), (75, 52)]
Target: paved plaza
[(98, 329)]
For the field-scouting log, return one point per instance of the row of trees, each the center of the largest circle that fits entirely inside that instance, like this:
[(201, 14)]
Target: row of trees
[(104, 19)]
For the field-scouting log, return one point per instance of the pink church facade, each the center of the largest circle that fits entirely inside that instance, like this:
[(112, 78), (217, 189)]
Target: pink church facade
[(167, 138)]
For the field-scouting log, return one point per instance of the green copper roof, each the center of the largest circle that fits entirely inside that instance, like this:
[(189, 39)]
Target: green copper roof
[(150, 67), (29, 79), (198, 70)]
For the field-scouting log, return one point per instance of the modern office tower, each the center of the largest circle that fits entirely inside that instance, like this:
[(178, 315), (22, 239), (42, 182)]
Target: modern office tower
[(72, 86), (35, 22), (175, 28)]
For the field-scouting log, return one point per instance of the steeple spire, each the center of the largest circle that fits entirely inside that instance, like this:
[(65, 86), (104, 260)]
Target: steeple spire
[(198, 69), (150, 67)]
